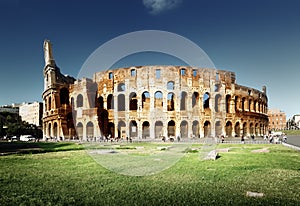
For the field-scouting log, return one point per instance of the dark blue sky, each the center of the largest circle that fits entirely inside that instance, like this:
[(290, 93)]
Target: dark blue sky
[(259, 39)]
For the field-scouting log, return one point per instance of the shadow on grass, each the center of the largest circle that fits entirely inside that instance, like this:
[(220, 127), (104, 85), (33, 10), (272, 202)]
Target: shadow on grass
[(8, 148)]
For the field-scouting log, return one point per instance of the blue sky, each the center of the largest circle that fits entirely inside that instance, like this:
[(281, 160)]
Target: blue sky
[(259, 40)]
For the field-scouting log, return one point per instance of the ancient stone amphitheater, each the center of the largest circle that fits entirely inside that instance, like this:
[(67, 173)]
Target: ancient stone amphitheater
[(148, 102)]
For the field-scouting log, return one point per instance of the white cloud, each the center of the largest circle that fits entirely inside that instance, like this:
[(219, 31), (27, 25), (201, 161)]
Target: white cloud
[(159, 6)]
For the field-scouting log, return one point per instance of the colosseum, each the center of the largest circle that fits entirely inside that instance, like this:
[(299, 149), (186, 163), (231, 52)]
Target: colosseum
[(150, 102)]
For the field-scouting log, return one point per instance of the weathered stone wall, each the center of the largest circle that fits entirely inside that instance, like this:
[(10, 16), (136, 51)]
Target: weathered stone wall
[(148, 102)]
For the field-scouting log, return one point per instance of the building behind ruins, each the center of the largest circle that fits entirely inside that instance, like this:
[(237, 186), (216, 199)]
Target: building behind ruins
[(277, 119), (31, 113), (148, 102)]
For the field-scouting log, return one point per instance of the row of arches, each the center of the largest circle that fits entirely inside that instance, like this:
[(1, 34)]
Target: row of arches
[(158, 101), (159, 127)]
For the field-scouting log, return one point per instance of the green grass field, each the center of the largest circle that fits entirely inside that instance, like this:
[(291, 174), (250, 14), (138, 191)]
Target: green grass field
[(64, 174)]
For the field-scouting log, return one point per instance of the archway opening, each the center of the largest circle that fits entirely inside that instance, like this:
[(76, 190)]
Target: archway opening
[(207, 129), (184, 129), (171, 128), (145, 130)]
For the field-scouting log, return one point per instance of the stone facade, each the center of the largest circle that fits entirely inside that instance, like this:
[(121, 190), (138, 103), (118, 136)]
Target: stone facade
[(148, 102)]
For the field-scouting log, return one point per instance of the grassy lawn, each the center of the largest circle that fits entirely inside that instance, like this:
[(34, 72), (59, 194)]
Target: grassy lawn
[(69, 176)]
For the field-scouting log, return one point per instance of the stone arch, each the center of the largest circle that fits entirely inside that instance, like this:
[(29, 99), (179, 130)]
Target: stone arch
[(121, 87), (133, 129), (228, 129), (64, 96), (170, 100), (236, 103), (121, 102), (55, 130), (195, 99), (122, 129), (90, 130), (184, 129), (206, 98), (171, 128), (207, 129), (251, 126), (237, 129), (133, 104), (110, 101), (243, 103), (79, 101), (218, 103), (255, 106), (158, 99), (218, 128), (256, 129), (146, 100), (158, 129), (183, 98), (145, 130), (79, 130), (228, 99), (195, 128), (170, 85), (245, 129)]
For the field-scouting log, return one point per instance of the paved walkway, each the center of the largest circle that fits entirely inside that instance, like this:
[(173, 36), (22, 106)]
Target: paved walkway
[(294, 140)]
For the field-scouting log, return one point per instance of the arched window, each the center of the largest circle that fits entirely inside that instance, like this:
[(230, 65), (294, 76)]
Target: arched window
[(121, 87), (110, 101), (158, 99), (121, 102), (206, 100), (243, 103), (183, 97), (217, 102), (110, 75), (170, 85), (170, 99), (133, 72), (195, 99), (182, 72), (228, 98), (79, 101), (132, 101), (146, 100), (236, 103)]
